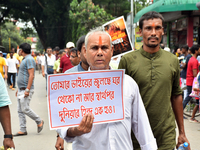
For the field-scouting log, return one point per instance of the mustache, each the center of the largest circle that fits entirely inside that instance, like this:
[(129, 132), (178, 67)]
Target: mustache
[(153, 38)]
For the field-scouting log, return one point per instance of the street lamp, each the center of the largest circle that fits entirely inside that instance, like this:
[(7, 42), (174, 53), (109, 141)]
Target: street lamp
[(198, 5)]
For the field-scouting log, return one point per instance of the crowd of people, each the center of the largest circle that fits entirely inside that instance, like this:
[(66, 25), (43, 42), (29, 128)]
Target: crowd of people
[(152, 93)]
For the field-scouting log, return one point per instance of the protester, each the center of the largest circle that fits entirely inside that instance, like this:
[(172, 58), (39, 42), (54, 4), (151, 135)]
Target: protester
[(25, 91), (65, 63), (5, 118), (82, 66), (192, 71), (13, 50), (56, 66), (74, 56), (157, 74), (57, 49), (184, 65), (110, 136), (39, 61), (48, 63), (3, 66), (69, 46), (12, 64)]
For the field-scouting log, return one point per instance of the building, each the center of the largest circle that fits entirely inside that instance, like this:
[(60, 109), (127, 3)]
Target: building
[(181, 21)]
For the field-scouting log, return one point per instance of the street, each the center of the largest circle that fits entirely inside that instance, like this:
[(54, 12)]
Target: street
[(47, 138)]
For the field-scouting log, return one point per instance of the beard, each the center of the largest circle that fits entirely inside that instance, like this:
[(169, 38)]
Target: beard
[(152, 45)]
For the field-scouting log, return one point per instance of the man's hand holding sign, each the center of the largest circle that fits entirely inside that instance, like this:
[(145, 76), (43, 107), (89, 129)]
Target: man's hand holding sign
[(84, 127)]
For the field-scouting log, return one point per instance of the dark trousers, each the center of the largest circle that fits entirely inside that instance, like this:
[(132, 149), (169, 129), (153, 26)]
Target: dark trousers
[(13, 75), (187, 99)]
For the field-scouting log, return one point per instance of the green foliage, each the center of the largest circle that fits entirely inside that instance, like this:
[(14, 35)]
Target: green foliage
[(50, 18), (10, 31), (87, 15), (115, 7)]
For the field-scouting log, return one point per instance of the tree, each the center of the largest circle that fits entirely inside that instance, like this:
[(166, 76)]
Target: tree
[(114, 7), (10, 31), (50, 18), (87, 15)]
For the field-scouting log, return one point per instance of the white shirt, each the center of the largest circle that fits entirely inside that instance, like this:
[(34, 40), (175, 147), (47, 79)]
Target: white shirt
[(11, 63), (50, 61), (39, 59), (117, 135)]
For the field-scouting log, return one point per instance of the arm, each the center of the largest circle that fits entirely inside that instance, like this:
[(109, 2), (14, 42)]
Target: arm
[(61, 65), (177, 106), (43, 74), (6, 70), (30, 80), (59, 143), (194, 72), (6, 124)]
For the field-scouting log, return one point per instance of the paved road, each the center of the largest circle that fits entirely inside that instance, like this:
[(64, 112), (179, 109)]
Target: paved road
[(46, 139)]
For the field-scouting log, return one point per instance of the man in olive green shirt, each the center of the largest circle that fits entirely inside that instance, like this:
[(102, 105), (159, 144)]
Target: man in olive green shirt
[(157, 74)]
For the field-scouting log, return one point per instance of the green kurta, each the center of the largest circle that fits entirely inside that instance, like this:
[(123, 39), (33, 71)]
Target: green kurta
[(157, 76)]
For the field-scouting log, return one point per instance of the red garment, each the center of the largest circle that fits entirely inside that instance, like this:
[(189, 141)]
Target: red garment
[(192, 64), (65, 63)]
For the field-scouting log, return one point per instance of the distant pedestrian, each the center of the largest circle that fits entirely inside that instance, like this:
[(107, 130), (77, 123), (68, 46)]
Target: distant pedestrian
[(39, 61), (56, 66), (192, 71), (57, 49), (25, 91), (5, 115), (74, 56), (48, 63), (184, 65), (65, 63), (12, 64)]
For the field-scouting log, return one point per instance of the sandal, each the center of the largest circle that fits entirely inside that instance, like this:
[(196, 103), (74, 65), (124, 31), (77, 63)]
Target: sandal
[(193, 120)]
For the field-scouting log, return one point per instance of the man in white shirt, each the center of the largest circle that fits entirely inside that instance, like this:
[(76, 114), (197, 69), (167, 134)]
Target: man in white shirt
[(48, 63), (12, 64), (117, 135)]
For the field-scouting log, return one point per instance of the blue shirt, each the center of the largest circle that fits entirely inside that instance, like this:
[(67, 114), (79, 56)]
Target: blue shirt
[(4, 98), (77, 68), (27, 63)]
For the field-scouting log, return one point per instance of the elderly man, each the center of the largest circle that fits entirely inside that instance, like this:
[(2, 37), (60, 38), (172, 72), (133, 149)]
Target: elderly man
[(25, 91), (5, 115), (111, 136), (157, 74)]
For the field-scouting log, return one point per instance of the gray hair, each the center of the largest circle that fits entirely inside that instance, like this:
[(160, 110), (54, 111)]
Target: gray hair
[(98, 30)]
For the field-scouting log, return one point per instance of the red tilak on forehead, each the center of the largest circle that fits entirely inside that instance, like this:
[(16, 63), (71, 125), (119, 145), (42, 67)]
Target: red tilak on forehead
[(100, 40), (153, 24)]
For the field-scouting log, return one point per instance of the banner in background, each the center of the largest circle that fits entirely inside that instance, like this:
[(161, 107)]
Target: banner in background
[(120, 39)]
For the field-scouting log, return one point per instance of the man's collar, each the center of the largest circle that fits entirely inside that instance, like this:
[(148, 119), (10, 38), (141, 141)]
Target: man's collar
[(149, 55)]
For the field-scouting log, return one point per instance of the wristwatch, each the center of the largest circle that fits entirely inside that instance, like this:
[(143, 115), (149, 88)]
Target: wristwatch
[(8, 136), (27, 90)]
